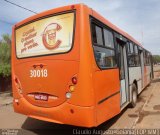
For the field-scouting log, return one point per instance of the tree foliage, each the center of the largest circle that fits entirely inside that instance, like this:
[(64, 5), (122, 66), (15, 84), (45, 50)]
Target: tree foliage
[(156, 59), (5, 55)]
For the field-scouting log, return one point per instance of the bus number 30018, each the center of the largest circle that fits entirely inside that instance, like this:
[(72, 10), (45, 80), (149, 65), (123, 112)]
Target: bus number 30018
[(38, 73)]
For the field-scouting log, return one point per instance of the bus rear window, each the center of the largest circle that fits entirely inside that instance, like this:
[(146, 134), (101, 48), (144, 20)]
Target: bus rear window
[(46, 36)]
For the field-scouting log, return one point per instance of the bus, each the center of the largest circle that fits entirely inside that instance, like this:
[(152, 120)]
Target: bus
[(72, 66)]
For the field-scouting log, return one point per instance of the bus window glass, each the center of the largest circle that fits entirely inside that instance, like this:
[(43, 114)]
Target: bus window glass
[(105, 58), (137, 56), (131, 55), (136, 49), (147, 58), (128, 48), (121, 59), (108, 38), (104, 54), (49, 35), (99, 35), (131, 48), (94, 38), (137, 60), (144, 57), (131, 59)]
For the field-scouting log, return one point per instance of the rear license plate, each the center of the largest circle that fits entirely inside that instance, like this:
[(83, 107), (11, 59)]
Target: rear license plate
[(42, 97)]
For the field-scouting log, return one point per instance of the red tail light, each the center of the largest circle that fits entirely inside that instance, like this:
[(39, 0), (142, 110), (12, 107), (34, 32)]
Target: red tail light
[(74, 80), (16, 80), (72, 6), (18, 85)]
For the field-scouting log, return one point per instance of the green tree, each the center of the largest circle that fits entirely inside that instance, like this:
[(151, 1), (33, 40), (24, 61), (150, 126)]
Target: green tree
[(5, 60), (156, 59)]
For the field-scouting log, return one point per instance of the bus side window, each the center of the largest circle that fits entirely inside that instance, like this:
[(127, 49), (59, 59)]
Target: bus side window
[(108, 38), (131, 57), (97, 34), (105, 58), (103, 45), (147, 58), (137, 56)]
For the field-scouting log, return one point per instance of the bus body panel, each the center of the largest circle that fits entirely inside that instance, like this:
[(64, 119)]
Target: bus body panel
[(106, 86), (108, 109), (62, 68), (135, 75), (147, 75), (149, 68), (62, 114), (55, 84), (84, 95), (107, 91), (96, 96)]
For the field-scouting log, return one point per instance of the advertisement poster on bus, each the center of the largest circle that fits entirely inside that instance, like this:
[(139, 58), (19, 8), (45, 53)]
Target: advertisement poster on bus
[(45, 36)]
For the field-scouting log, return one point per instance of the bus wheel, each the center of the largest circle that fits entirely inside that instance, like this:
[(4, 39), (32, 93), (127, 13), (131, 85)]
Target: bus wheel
[(134, 96)]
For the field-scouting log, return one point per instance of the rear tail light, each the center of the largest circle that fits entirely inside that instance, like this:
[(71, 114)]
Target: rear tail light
[(16, 80), (68, 95), (16, 101), (72, 6), (18, 85), (74, 80), (71, 88)]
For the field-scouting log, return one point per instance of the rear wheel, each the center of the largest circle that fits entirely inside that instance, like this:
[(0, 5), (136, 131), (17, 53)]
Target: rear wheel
[(134, 96)]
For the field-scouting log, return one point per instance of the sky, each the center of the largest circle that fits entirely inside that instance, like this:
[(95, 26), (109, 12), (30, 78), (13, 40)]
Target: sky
[(139, 18)]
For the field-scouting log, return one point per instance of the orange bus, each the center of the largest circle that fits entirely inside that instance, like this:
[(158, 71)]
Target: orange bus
[(72, 66)]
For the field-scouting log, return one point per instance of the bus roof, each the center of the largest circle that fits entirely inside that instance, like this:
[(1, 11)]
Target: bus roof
[(69, 7), (115, 28)]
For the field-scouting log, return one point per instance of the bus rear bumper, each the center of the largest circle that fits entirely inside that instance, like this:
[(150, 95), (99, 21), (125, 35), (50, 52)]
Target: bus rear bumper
[(63, 114)]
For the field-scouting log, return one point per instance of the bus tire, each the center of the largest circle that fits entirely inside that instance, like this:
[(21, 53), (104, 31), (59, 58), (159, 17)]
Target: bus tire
[(134, 96)]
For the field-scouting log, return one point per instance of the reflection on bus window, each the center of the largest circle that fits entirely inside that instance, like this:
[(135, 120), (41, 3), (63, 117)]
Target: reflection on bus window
[(105, 58), (103, 44), (108, 38)]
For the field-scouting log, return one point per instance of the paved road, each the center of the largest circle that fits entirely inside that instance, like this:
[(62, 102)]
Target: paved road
[(145, 115)]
